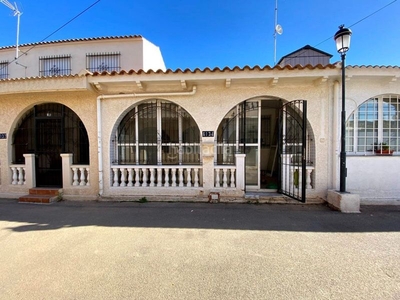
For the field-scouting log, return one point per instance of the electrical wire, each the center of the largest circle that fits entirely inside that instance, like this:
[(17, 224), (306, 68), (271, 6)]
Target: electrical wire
[(58, 29)]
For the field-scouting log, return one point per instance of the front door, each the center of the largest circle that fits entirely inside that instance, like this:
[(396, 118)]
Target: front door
[(48, 150)]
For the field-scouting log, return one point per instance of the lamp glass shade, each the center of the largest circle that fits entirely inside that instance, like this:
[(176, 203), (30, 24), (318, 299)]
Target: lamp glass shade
[(342, 38)]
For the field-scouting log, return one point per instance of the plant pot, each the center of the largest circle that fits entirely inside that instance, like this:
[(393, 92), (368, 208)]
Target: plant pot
[(384, 152)]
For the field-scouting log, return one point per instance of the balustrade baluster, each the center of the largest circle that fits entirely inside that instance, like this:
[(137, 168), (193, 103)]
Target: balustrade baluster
[(180, 172), (87, 177), (189, 177), (20, 176), (152, 177), (173, 173), (224, 178), (166, 177), (217, 180), (130, 177), (233, 183), (75, 177), (123, 177), (115, 170), (137, 177), (159, 177), (82, 179), (308, 178), (14, 175), (144, 170), (196, 177), (24, 177)]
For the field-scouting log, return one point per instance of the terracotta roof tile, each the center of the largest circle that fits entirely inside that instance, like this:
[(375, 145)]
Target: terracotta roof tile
[(74, 40), (217, 69), (42, 77)]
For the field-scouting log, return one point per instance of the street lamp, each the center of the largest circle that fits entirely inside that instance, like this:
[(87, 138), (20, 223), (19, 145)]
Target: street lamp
[(342, 39)]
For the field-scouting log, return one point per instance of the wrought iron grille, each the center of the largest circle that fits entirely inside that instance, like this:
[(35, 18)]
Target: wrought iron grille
[(34, 129), (55, 65), (158, 133), (233, 133), (4, 69), (103, 62), (293, 149)]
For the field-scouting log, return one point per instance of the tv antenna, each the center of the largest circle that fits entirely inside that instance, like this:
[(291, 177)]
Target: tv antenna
[(277, 30), (17, 13)]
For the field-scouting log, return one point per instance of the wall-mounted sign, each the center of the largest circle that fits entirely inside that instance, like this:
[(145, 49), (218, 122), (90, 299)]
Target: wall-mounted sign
[(3, 136), (208, 133)]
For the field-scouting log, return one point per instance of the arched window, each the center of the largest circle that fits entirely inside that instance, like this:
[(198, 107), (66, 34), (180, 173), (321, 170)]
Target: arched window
[(158, 133), (374, 122)]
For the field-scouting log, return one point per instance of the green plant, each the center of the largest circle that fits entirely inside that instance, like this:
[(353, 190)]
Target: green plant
[(381, 146), (142, 200)]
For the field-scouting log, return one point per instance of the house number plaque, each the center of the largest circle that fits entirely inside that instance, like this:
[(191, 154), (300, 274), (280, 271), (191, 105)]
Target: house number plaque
[(208, 133), (3, 136)]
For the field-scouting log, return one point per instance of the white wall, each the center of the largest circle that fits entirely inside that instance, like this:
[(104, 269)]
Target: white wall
[(374, 178)]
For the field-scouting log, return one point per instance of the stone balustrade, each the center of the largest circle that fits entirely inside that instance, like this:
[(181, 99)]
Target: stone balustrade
[(156, 176), (225, 176), (80, 175), (18, 174)]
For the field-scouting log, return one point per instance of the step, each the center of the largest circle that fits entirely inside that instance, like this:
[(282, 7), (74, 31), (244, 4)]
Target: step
[(41, 195), (37, 199), (45, 191), (276, 198)]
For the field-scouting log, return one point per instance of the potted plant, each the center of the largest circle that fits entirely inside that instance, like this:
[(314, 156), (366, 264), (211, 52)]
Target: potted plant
[(382, 149)]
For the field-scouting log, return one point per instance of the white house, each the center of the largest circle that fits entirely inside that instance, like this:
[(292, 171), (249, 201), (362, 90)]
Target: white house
[(104, 118)]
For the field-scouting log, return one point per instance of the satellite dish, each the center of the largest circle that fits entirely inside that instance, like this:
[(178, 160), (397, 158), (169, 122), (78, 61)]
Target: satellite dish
[(278, 29)]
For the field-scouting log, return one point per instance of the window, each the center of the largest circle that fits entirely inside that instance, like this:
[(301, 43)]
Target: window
[(158, 133), (375, 121), (55, 65), (4, 69), (103, 62)]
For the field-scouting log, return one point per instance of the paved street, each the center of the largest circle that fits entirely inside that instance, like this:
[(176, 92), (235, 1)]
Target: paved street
[(126, 250)]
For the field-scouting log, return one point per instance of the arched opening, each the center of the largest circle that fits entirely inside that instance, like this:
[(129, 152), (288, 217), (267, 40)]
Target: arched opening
[(157, 143), (157, 132), (254, 127), (47, 130)]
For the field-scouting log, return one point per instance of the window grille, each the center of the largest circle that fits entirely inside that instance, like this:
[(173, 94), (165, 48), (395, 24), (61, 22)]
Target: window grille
[(103, 62), (375, 121), (55, 65), (4, 69), (158, 133)]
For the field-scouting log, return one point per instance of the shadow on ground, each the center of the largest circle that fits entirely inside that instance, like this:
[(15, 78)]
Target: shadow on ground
[(306, 218)]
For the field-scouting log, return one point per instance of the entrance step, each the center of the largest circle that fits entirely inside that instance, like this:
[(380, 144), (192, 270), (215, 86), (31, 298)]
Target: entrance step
[(275, 198), (41, 195)]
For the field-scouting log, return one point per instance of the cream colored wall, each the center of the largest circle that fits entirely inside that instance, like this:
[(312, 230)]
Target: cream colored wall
[(131, 49), (211, 103), (13, 108)]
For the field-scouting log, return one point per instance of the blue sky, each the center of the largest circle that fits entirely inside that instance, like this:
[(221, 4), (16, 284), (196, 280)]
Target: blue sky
[(215, 33)]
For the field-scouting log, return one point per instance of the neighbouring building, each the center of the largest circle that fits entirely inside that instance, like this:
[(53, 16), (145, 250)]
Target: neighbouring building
[(104, 118)]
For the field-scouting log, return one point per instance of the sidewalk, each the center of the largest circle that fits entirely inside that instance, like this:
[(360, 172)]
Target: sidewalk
[(128, 250)]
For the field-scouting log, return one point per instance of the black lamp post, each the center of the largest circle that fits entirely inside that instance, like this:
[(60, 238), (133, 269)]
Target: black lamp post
[(342, 39)]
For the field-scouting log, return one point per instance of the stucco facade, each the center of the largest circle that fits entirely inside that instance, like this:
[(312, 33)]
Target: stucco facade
[(102, 100)]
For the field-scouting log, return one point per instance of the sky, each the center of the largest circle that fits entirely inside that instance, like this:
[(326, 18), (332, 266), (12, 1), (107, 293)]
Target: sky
[(217, 33)]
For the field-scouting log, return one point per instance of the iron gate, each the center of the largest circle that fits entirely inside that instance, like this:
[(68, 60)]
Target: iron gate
[(292, 149), (47, 130), (48, 149)]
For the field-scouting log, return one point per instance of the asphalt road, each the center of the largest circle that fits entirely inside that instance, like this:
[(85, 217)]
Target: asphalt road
[(103, 250)]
